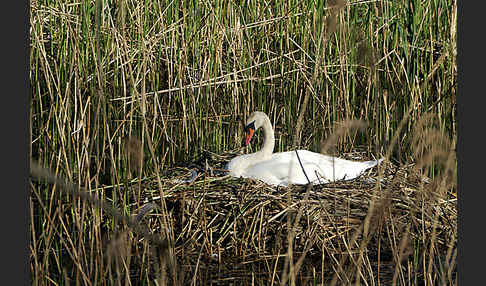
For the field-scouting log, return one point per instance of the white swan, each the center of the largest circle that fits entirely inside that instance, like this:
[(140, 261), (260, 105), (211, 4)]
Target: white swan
[(284, 168)]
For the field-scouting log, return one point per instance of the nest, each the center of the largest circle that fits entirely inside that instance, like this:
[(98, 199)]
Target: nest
[(228, 230)]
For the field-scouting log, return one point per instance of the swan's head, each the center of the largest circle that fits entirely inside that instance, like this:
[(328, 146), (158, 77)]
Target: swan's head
[(254, 122)]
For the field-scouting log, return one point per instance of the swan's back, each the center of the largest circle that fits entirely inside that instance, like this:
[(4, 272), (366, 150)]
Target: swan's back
[(284, 168)]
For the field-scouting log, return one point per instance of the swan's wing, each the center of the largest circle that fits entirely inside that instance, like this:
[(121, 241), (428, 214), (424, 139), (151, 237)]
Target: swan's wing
[(323, 168), (285, 168)]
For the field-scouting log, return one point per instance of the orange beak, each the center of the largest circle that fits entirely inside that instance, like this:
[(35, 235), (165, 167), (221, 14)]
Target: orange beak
[(249, 133)]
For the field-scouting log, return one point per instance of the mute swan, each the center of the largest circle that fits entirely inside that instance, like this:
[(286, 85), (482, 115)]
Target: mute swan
[(284, 168)]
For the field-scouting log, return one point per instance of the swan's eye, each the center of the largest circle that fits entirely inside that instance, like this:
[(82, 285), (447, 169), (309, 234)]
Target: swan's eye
[(250, 126)]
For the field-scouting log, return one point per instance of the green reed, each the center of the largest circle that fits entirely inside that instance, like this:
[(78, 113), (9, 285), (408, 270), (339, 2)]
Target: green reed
[(186, 74)]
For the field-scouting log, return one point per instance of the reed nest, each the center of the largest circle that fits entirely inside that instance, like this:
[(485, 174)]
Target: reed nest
[(229, 230)]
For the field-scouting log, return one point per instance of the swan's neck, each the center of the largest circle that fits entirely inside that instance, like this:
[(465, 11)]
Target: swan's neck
[(269, 139)]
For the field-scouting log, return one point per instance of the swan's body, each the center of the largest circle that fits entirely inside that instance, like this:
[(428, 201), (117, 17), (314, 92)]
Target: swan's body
[(284, 168)]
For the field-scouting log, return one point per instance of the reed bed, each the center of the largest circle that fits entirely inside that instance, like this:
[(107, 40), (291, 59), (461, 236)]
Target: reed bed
[(387, 227), (137, 106)]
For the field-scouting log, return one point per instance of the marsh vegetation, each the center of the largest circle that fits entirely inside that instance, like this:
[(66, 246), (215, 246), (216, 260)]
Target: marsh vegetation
[(129, 97)]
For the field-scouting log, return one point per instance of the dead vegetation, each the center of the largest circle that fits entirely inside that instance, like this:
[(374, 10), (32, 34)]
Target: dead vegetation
[(127, 95), (390, 226)]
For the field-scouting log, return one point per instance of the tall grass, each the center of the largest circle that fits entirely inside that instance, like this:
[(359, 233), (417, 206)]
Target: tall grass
[(183, 75)]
